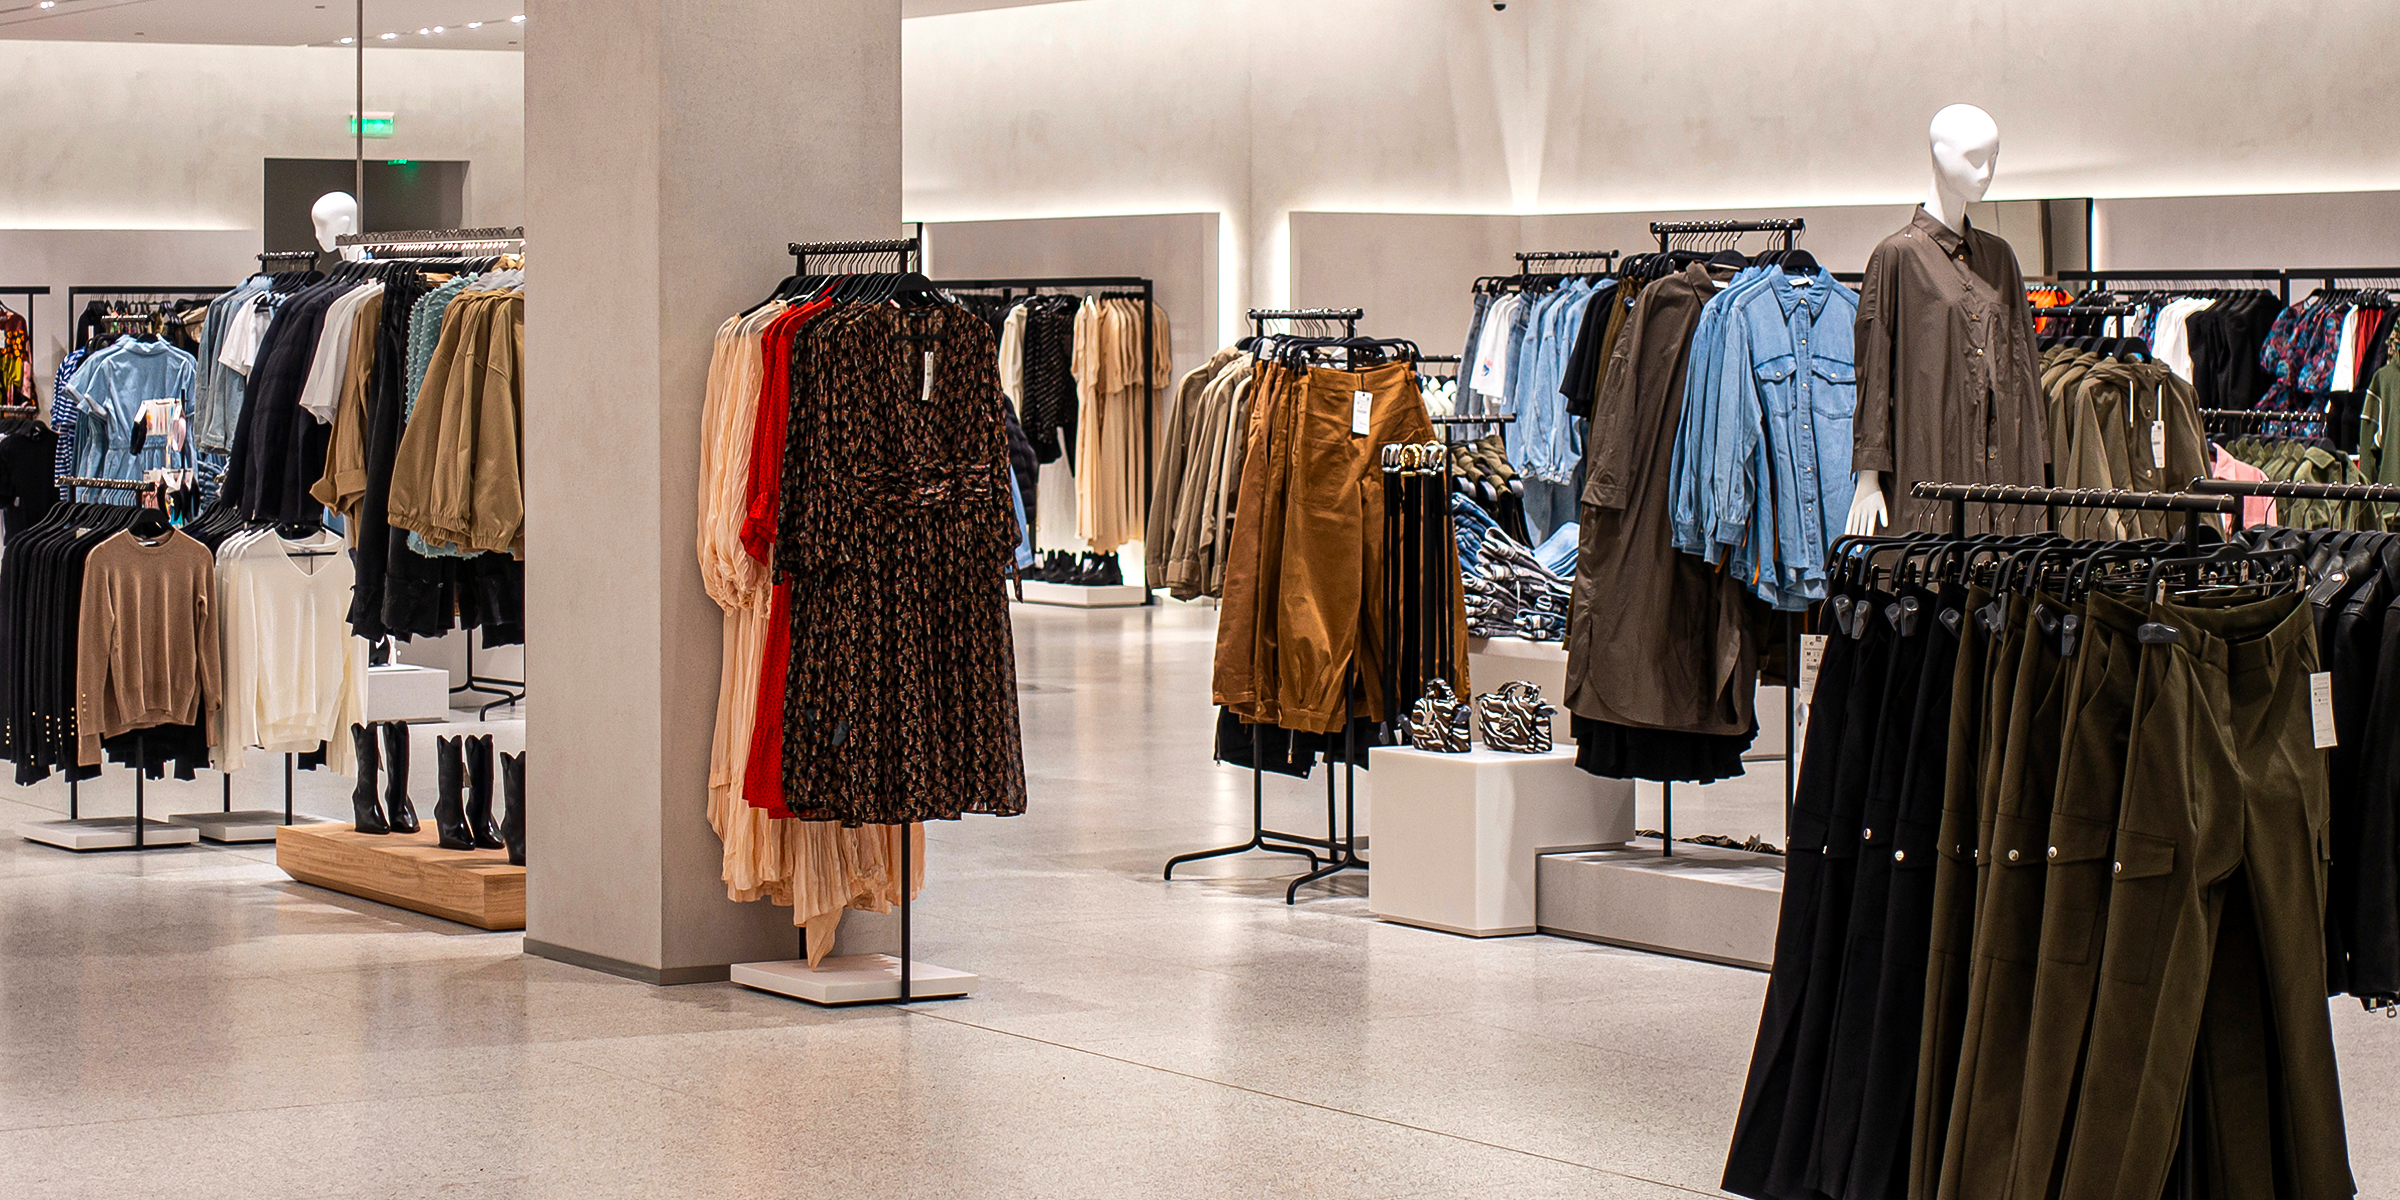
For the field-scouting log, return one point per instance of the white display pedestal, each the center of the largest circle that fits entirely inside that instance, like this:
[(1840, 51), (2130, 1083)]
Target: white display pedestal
[(1705, 902), (1458, 836), (248, 825), (855, 979), (1075, 595), (105, 833), (401, 692)]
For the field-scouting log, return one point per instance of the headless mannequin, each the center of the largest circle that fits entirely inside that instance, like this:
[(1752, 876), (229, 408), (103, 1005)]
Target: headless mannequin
[(334, 214), (1966, 142)]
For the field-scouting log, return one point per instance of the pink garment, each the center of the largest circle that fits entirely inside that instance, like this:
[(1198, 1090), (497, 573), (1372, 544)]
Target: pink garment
[(2256, 510)]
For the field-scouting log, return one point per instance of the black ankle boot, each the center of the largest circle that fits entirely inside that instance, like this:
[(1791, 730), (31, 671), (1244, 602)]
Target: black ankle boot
[(364, 813), (401, 814), (479, 794), (450, 805), (512, 820)]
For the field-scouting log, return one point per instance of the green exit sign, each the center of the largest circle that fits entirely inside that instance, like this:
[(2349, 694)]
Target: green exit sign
[(376, 125)]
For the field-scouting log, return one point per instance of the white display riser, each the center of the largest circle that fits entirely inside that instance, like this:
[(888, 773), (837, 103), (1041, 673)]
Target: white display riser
[(250, 825), (854, 979), (1704, 902), (1495, 661), (1074, 595), (105, 833), (404, 693), (1458, 836)]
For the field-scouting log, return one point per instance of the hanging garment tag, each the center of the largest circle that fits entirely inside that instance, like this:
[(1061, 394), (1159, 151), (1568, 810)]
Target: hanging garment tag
[(1812, 656), (928, 376), (1362, 406), (2320, 708), (2158, 444)]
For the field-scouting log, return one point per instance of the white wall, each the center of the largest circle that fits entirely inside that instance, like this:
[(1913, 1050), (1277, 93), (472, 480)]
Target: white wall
[(142, 164), (1256, 109)]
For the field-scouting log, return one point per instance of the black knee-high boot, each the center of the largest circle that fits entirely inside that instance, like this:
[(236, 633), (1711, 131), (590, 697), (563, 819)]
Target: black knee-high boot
[(450, 804), (365, 815), (401, 814), (480, 785), (512, 820)]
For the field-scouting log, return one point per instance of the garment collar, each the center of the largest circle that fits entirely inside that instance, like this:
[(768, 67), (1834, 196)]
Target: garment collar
[(1811, 297), (1952, 242)]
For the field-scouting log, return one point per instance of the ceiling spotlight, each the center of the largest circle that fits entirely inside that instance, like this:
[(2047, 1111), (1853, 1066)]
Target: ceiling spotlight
[(423, 32), (474, 24), (49, 3), (518, 19), (439, 29), (388, 36), (347, 41)]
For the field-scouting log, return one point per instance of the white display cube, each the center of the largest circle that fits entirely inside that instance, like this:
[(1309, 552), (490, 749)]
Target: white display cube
[(1457, 836)]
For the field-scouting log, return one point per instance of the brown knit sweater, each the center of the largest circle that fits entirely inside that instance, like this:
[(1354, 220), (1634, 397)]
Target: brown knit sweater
[(146, 649)]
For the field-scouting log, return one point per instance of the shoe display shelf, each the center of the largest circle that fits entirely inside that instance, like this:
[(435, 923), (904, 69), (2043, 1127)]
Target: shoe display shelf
[(406, 870), (1079, 595)]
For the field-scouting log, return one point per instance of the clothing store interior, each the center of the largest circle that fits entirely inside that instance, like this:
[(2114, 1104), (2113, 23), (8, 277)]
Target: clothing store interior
[(1368, 600)]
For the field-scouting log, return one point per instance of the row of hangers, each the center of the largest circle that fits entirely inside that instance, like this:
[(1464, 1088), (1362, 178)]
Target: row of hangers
[(2084, 327), (843, 285), (2017, 566)]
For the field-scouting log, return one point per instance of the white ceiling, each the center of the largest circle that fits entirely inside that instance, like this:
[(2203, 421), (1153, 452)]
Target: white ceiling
[(311, 23)]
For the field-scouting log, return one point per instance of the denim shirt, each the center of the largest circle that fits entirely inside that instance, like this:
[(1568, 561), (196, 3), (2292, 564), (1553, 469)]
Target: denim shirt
[(1541, 444), (1691, 489), (1787, 394)]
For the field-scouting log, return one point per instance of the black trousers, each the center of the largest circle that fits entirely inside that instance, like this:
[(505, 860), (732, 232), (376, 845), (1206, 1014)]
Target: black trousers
[(1767, 1094), (1853, 1032)]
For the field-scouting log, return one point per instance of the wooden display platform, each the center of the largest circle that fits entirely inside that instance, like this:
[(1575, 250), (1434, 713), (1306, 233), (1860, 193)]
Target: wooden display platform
[(407, 870)]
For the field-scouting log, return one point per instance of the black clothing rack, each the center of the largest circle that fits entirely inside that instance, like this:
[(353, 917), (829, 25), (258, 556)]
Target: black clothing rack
[(1143, 289), (280, 258), (910, 252), (1348, 317), (2382, 493), (2281, 277), (493, 237), (1667, 231), (1340, 846)]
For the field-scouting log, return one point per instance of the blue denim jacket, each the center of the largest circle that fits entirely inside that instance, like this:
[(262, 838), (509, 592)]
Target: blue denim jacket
[(1541, 444), (1782, 457), (1691, 494)]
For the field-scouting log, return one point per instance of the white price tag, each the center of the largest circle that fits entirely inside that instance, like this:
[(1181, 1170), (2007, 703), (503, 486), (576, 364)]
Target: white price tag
[(1812, 656), (928, 376), (2158, 444), (1362, 406), (2320, 708)]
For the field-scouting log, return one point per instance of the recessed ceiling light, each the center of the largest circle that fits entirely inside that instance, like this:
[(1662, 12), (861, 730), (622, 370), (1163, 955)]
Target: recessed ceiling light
[(439, 29), (474, 24), (388, 36), (49, 3), (518, 19), (423, 32), (347, 41)]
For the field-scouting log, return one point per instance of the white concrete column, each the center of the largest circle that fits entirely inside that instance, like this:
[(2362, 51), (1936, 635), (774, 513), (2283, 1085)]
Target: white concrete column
[(672, 148)]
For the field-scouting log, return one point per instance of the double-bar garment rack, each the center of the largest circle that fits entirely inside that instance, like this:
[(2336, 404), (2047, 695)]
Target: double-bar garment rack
[(1139, 288), (1667, 231), (1340, 848), (493, 237), (910, 252)]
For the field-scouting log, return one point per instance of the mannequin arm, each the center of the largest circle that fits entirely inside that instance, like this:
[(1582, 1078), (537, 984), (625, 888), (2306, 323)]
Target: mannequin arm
[(1868, 511)]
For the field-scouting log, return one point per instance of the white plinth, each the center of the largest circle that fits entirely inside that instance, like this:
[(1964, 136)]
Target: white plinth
[(1705, 902), (1458, 836), (105, 833), (856, 979), (249, 825), (404, 693), (1075, 595)]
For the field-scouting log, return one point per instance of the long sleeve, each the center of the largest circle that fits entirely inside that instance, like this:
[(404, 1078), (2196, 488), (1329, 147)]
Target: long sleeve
[(413, 466), (497, 517), (1609, 451), (237, 719), (1876, 343), (95, 647), (1740, 416), (209, 649)]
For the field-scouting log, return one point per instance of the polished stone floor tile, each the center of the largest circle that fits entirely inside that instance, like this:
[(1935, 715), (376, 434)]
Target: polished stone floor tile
[(191, 1023)]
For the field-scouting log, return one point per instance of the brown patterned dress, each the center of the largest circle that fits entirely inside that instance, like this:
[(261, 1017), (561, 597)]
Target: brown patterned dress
[(896, 533)]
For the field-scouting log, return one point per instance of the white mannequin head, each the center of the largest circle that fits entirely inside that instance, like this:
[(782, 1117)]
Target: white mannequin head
[(1966, 146), (334, 213)]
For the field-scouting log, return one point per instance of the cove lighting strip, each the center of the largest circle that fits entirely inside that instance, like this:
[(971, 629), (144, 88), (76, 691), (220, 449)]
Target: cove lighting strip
[(437, 30)]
